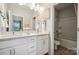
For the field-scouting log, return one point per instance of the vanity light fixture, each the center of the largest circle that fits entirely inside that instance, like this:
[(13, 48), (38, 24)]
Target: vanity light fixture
[(38, 8)]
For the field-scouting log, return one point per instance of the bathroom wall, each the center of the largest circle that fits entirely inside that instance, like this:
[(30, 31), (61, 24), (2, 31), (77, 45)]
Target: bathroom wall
[(0, 6), (67, 23), (44, 14), (56, 24)]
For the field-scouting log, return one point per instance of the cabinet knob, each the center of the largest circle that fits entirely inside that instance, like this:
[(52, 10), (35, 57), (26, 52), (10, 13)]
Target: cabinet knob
[(32, 39), (14, 51), (43, 41), (32, 47), (10, 51)]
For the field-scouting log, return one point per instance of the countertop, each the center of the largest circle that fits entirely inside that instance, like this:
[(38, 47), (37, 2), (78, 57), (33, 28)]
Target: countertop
[(19, 35)]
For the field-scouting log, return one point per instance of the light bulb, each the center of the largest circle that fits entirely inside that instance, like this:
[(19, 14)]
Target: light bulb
[(38, 7), (41, 8), (33, 5)]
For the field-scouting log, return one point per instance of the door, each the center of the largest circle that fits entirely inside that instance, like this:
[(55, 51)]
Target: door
[(21, 50), (40, 47), (5, 52), (45, 45)]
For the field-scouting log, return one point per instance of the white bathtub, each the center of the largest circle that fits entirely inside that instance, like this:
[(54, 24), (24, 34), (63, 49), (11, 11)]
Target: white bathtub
[(69, 44)]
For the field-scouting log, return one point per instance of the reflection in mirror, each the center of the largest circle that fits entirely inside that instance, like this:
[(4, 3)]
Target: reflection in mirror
[(4, 25), (17, 23)]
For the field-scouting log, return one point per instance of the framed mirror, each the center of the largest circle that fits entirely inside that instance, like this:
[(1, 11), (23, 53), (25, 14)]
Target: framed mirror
[(17, 23)]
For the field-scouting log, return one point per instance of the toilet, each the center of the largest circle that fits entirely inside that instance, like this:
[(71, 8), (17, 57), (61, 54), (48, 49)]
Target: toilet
[(56, 44)]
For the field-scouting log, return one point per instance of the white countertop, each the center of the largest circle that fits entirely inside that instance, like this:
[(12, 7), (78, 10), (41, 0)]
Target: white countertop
[(19, 35)]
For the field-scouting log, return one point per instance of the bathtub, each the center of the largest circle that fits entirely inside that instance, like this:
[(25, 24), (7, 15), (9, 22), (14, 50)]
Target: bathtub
[(69, 44)]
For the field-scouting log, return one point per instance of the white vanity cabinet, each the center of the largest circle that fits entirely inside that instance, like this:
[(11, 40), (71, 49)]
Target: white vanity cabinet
[(18, 50), (27, 45), (14, 46)]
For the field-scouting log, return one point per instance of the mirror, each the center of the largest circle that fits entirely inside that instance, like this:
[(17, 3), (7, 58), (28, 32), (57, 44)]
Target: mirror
[(18, 17), (17, 23), (22, 18)]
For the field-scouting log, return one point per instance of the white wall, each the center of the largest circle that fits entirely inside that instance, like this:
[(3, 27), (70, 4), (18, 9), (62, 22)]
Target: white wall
[(66, 19), (56, 23), (67, 22), (44, 15), (78, 30), (0, 6)]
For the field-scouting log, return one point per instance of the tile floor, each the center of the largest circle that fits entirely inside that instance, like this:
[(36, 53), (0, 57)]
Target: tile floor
[(64, 51)]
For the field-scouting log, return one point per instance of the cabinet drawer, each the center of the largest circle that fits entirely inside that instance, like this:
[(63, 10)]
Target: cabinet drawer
[(32, 39), (19, 41), (43, 37), (10, 43), (40, 42)]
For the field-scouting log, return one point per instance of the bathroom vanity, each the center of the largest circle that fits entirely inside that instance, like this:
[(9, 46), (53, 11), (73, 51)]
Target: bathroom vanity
[(23, 44), (15, 38)]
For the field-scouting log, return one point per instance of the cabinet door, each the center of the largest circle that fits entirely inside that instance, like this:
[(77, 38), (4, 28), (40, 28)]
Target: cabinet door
[(20, 50), (45, 45), (40, 47), (42, 44), (5, 52)]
